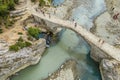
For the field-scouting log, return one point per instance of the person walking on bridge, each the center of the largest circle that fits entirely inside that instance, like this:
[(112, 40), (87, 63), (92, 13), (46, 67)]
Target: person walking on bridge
[(75, 23)]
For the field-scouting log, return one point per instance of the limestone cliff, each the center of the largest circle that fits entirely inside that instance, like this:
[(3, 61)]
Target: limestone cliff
[(12, 62), (110, 69)]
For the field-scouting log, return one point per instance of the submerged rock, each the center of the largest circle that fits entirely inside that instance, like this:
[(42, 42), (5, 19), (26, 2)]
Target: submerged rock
[(12, 62)]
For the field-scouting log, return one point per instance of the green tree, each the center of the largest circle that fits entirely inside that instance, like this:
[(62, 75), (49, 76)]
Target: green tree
[(34, 32), (11, 5), (3, 10)]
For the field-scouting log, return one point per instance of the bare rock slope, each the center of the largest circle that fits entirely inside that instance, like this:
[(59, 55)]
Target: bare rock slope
[(12, 62)]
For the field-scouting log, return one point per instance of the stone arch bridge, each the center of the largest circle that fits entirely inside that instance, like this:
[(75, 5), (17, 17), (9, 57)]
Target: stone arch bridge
[(93, 40)]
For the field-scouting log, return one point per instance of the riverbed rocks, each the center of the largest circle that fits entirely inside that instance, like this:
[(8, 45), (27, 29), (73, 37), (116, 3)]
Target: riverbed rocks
[(110, 69), (67, 71), (12, 62)]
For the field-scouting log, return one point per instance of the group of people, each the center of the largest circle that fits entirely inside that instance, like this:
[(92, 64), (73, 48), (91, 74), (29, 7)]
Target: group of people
[(75, 23), (43, 13)]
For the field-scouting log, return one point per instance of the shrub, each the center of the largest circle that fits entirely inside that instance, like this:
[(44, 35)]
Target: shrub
[(11, 5), (1, 30), (33, 0), (30, 38), (19, 45), (20, 33), (4, 10), (34, 32), (41, 2), (27, 44), (14, 48), (20, 39), (16, 1)]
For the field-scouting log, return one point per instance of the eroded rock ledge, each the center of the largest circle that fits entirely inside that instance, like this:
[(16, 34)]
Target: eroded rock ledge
[(12, 62)]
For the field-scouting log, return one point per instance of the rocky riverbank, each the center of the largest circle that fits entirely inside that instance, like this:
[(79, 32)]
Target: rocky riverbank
[(67, 71), (107, 27), (12, 62)]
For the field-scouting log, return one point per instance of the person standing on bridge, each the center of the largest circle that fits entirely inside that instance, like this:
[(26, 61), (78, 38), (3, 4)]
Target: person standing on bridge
[(75, 23), (101, 41)]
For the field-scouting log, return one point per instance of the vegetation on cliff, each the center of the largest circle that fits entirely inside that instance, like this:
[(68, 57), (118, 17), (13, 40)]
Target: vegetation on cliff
[(34, 32), (19, 45), (5, 7), (45, 2)]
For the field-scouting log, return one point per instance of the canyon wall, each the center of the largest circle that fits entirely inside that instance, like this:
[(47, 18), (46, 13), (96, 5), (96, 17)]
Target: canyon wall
[(107, 27), (12, 62)]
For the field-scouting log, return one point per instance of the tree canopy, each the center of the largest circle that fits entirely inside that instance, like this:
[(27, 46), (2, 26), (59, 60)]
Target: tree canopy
[(6, 6)]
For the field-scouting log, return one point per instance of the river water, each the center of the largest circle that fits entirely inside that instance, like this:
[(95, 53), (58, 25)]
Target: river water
[(70, 46)]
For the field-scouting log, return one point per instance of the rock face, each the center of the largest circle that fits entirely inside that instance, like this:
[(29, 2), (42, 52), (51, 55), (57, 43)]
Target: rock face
[(12, 62), (97, 54), (110, 69), (113, 7), (68, 71), (107, 30), (107, 27), (3, 47)]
